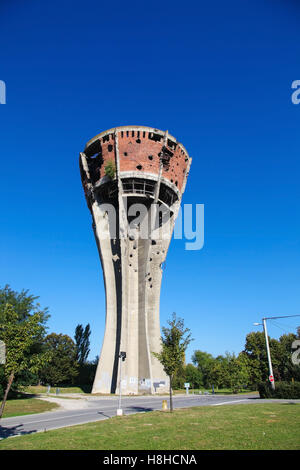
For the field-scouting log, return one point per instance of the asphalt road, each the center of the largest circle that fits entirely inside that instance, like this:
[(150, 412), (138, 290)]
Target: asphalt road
[(99, 408)]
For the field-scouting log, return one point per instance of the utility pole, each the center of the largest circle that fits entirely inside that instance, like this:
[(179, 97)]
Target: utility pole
[(264, 324), (271, 376)]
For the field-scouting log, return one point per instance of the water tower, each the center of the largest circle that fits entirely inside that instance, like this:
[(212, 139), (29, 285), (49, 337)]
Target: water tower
[(124, 169)]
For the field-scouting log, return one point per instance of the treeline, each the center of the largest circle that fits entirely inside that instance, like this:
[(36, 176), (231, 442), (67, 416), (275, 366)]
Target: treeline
[(68, 364), (32, 356), (246, 370)]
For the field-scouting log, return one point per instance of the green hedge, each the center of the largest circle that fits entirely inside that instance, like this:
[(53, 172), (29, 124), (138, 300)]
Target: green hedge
[(282, 390)]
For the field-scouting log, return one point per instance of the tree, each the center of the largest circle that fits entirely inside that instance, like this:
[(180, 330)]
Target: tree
[(255, 349), (20, 338), (218, 373), (238, 373), (24, 304), (82, 340), (193, 376), (204, 362), (288, 370), (174, 342), (63, 367)]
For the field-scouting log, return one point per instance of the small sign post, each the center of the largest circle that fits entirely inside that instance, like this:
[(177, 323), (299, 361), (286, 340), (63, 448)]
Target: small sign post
[(122, 357), (2, 352), (187, 386)]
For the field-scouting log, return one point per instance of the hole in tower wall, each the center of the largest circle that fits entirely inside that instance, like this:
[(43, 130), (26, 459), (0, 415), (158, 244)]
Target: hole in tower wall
[(110, 147), (155, 137), (93, 149), (150, 157), (138, 141), (139, 167)]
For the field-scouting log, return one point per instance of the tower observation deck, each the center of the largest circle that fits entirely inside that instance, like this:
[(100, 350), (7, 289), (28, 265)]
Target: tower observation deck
[(133, 178)]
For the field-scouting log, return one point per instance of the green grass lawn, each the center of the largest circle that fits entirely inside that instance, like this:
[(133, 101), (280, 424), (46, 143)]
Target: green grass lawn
[(249, 427), (25, 406), (36, 389), (221, 391)]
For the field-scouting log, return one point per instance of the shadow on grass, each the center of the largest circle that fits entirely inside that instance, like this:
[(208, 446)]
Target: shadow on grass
[(138, 409), (6, 432), (20, 396)]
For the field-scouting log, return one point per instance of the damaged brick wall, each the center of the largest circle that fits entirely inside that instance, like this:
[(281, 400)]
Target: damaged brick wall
[(140, 150)]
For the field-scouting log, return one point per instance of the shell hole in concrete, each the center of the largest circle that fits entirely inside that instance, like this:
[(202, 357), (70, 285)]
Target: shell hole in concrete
[(138, 141), (125, 153), (153, 242), (139, 167), (110, 147), (150, 157)]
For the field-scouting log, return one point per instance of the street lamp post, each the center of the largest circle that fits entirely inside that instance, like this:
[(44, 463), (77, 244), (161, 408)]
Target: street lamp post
[(264, 324), (271, 376)]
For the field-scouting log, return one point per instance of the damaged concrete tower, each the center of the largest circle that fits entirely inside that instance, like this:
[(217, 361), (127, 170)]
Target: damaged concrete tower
[(133, 178)]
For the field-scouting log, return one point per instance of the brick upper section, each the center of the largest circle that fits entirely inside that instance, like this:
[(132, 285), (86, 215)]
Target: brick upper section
[(140, 149)]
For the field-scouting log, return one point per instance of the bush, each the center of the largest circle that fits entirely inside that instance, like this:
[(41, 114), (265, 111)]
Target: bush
[(110, 169), (289, 390)]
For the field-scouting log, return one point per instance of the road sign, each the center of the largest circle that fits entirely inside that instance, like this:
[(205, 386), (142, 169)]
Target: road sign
[(186, 385), (271, 378)]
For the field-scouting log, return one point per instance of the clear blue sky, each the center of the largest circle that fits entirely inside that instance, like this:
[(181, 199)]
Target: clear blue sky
[(218, 76)]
